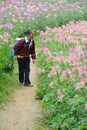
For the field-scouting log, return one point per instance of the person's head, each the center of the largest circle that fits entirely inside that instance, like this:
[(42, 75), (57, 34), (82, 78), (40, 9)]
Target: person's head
[(29, 34)]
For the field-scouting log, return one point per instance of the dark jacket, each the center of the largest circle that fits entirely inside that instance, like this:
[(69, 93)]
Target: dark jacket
[(25, 50)]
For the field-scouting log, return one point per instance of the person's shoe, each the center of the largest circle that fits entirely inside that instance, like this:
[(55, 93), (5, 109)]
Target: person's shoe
[(28, 85), (21, 83)]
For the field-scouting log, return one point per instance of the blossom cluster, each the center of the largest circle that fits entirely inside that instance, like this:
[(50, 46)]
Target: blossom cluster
[(69, 62), (13, 11)]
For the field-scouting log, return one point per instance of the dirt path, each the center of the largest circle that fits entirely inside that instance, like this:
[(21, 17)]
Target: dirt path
[(22, 113)]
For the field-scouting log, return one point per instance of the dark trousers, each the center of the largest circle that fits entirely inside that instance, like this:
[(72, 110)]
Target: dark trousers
[(24, 70)]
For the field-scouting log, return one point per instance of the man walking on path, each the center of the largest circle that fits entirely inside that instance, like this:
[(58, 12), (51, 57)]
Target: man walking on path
[(23, 49)]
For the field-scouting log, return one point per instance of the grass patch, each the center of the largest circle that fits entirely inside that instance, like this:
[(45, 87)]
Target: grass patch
[(8, 84)]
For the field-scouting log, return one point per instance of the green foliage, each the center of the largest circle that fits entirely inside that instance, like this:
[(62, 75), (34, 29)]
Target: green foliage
[(70, 112), (62, 18), (73, 1), (6, 60), (40, 23), (8, 83)]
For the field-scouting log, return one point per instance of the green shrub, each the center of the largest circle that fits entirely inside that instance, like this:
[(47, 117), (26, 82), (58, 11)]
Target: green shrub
[(6, 59)]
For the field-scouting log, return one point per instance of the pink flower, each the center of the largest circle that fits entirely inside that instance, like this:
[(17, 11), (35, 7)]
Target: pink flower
[(86, 106), (38, 31), (60, 97), (42, 34), (9, 25), (41, 71), (53, 71), (49, 58), (6, 34), (40, 49), (47, 40), (80, 85), (46, 51), (7, 1), (63, 73)]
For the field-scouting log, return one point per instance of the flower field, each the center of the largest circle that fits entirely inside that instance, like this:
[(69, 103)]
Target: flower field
[(60, 28), (17, 16), (63, 74)]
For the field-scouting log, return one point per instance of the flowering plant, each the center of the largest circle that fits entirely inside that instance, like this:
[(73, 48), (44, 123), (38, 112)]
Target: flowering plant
[(64, 89)]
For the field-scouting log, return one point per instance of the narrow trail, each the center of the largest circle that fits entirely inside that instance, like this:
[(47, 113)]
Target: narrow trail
[(22, 113)]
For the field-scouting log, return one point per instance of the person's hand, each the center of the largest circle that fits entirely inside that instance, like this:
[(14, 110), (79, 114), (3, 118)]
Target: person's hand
[(33, 61)]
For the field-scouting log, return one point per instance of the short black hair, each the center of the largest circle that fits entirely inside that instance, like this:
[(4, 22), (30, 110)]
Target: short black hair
[(28, 32)]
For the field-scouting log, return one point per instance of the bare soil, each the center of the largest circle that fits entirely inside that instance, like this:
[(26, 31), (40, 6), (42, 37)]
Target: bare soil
[(23, 112)]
